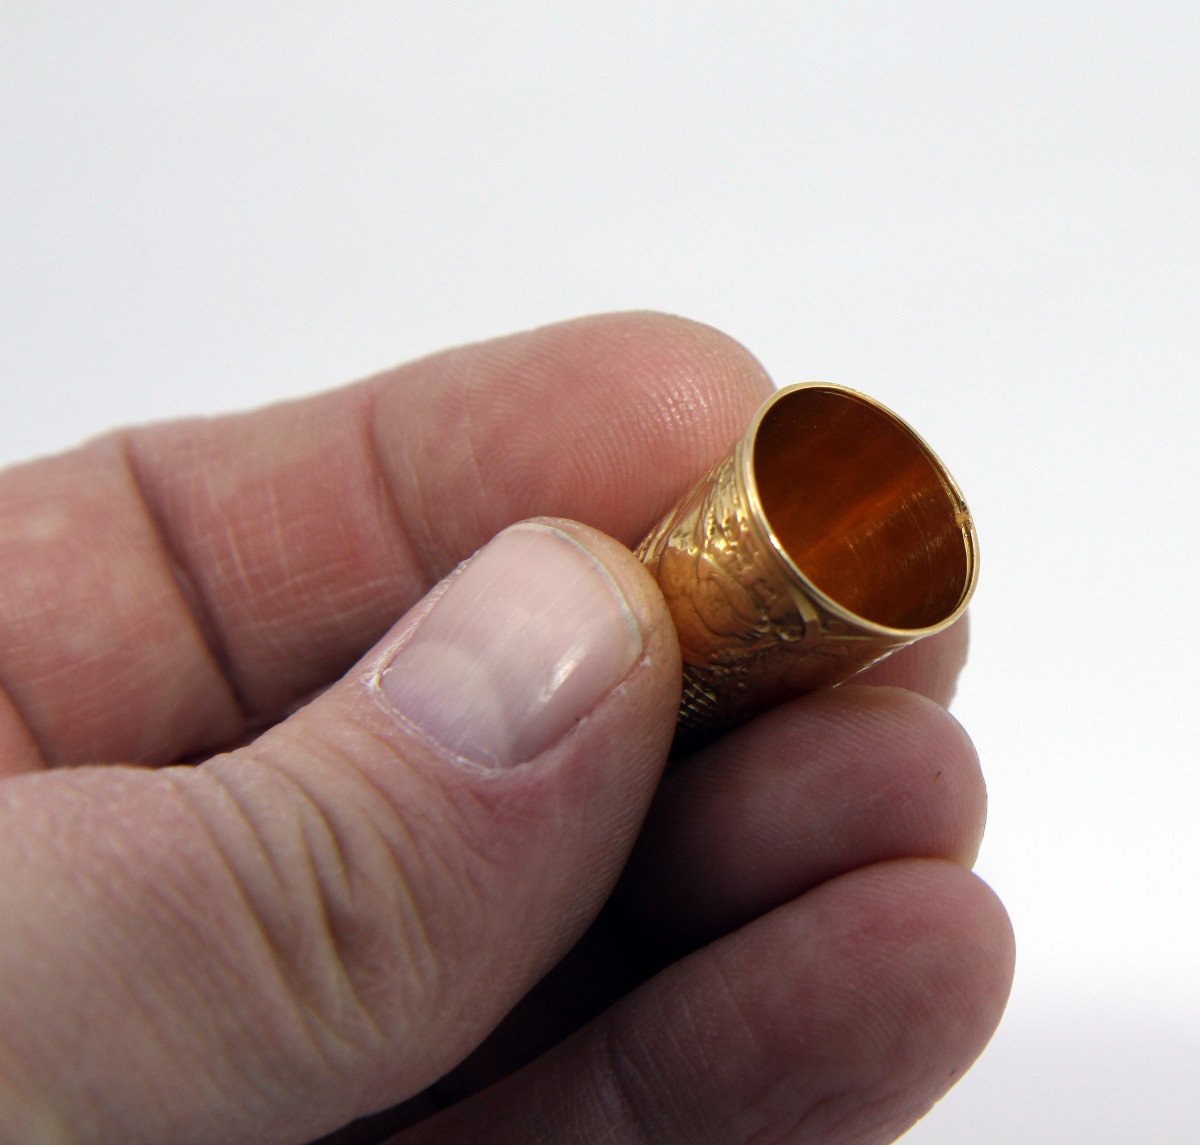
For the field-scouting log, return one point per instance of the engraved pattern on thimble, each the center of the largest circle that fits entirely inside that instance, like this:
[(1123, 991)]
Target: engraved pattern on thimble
[(729, 596)]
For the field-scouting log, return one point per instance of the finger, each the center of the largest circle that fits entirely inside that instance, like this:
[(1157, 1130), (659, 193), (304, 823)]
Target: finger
[(930, 666), (833, 782), (101, 654), (272, 943), (165, 585), (838, 1018), (837, 781)]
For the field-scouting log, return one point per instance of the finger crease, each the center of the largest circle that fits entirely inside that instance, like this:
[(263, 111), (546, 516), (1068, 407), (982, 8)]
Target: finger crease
[(23, 729), (373, 453), (189, 588), (617, 1091)]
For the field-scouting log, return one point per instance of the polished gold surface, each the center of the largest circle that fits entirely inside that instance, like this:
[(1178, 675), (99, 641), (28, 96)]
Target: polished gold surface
[(827, 538)]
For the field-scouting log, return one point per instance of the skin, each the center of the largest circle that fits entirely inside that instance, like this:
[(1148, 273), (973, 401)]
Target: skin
[(244, 903)]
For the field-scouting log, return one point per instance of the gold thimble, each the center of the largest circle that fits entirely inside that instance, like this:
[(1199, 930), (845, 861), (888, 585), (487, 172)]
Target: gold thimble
[(827, 538)]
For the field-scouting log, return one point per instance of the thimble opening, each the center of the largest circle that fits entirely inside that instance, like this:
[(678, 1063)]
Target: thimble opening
[(862, 508)]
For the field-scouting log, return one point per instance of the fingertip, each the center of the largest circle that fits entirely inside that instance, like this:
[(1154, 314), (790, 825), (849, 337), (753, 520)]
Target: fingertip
[(952, 961), (835, 781), (604, 419), (714, 378), (871, 996), (523, 642), (935, 766), (943, 973), (930, 667)]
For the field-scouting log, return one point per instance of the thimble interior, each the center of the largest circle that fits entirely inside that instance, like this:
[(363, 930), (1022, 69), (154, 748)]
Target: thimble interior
[(862, 508)]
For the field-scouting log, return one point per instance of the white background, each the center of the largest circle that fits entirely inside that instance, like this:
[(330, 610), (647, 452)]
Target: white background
[(986, 214)]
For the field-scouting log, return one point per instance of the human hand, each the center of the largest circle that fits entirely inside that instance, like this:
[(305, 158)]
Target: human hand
[(388, 852)]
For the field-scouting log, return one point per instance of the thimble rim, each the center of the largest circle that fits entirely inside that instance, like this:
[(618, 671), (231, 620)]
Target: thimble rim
[(801, 585)]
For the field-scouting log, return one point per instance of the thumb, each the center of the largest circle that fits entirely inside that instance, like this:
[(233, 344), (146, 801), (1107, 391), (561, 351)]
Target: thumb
[(270, 944)]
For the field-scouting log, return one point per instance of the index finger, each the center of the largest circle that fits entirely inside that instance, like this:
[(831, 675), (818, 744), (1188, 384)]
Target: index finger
[(167, 586)]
